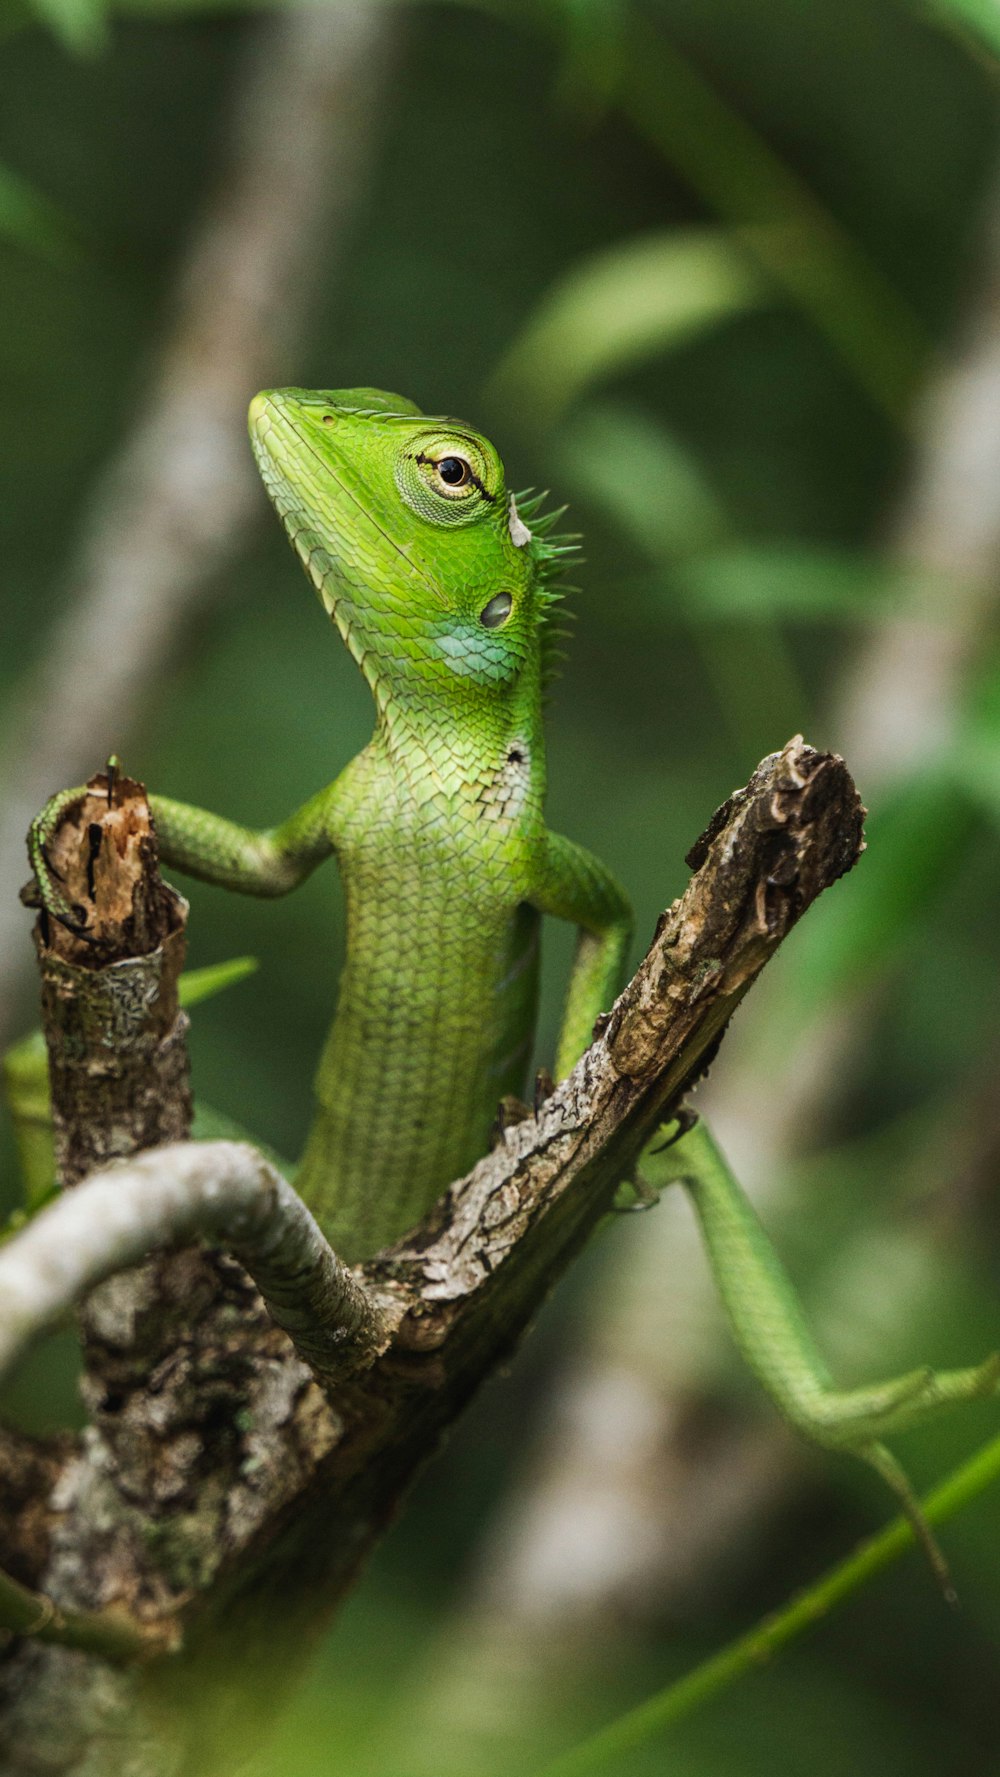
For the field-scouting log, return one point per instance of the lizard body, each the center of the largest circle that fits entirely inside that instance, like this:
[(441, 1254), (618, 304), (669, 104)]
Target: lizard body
[(444, 598)]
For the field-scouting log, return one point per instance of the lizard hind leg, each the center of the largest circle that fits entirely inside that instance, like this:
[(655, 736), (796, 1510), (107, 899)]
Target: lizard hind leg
[(770, 1328), (844, 1417), (881, 1459)]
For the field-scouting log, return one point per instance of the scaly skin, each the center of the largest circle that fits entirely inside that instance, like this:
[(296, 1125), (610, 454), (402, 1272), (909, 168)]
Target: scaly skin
[(407, 531)]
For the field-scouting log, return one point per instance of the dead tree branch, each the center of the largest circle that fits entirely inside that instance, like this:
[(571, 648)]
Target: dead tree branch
[(457, 1294)]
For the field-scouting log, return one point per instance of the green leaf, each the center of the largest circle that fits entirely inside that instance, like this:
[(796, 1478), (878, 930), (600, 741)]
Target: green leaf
[(593, 50), (643, 477), (202, 984), (979, 18), (799, 581), (636, 300), (79, 24)]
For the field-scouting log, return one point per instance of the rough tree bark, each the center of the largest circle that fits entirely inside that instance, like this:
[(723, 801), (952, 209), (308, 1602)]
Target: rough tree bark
[(115, 1032), (219, 1491)]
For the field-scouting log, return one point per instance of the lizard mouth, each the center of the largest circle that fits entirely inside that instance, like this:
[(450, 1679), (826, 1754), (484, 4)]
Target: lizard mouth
[(280, 434), (269, 429)]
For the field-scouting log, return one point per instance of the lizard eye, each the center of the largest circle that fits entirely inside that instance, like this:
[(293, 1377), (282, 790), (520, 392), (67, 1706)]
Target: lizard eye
[(447, 477), (450, 475)]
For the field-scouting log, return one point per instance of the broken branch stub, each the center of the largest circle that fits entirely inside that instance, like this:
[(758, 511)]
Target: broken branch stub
[(113, 1025), (767, 853)]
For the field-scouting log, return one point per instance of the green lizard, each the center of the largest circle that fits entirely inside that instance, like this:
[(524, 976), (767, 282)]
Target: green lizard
[(443, 590), (445, 598)]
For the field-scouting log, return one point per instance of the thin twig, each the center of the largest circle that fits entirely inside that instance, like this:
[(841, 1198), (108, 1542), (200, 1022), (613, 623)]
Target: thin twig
[(221, 1191), (112, 1634)]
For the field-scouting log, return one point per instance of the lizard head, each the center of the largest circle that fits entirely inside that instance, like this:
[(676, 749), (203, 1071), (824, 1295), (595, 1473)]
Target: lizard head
[(407, 530)]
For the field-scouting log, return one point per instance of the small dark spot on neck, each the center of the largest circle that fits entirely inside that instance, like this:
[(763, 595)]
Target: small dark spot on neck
[(515, 756)]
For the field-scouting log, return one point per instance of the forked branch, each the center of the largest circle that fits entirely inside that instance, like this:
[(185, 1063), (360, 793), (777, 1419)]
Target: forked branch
[(439, 1310)]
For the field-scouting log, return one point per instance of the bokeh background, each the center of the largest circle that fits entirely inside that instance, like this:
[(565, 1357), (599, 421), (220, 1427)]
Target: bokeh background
[(727, 279)]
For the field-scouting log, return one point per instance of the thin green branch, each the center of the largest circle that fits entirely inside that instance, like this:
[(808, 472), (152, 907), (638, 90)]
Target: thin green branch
[(687, 1694), (113, 1634)]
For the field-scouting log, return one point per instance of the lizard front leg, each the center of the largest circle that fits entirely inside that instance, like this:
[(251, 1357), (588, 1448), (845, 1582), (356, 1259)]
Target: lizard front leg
[(268, 861), (572, 884)]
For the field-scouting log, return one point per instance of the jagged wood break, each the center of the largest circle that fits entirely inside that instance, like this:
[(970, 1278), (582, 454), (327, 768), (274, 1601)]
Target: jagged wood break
[(114, 1029)]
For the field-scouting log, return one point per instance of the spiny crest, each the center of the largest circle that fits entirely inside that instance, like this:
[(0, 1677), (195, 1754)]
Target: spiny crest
[(553, 552)]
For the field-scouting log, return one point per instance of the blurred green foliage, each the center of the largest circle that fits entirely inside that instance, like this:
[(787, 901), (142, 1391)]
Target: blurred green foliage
[(689, 265)]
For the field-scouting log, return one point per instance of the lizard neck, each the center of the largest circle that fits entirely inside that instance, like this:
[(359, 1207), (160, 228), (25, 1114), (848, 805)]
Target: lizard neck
[(465, 742)]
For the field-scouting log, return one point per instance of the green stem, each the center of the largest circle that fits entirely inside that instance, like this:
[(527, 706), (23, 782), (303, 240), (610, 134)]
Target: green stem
[(688, 1693), (113, 1634)]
